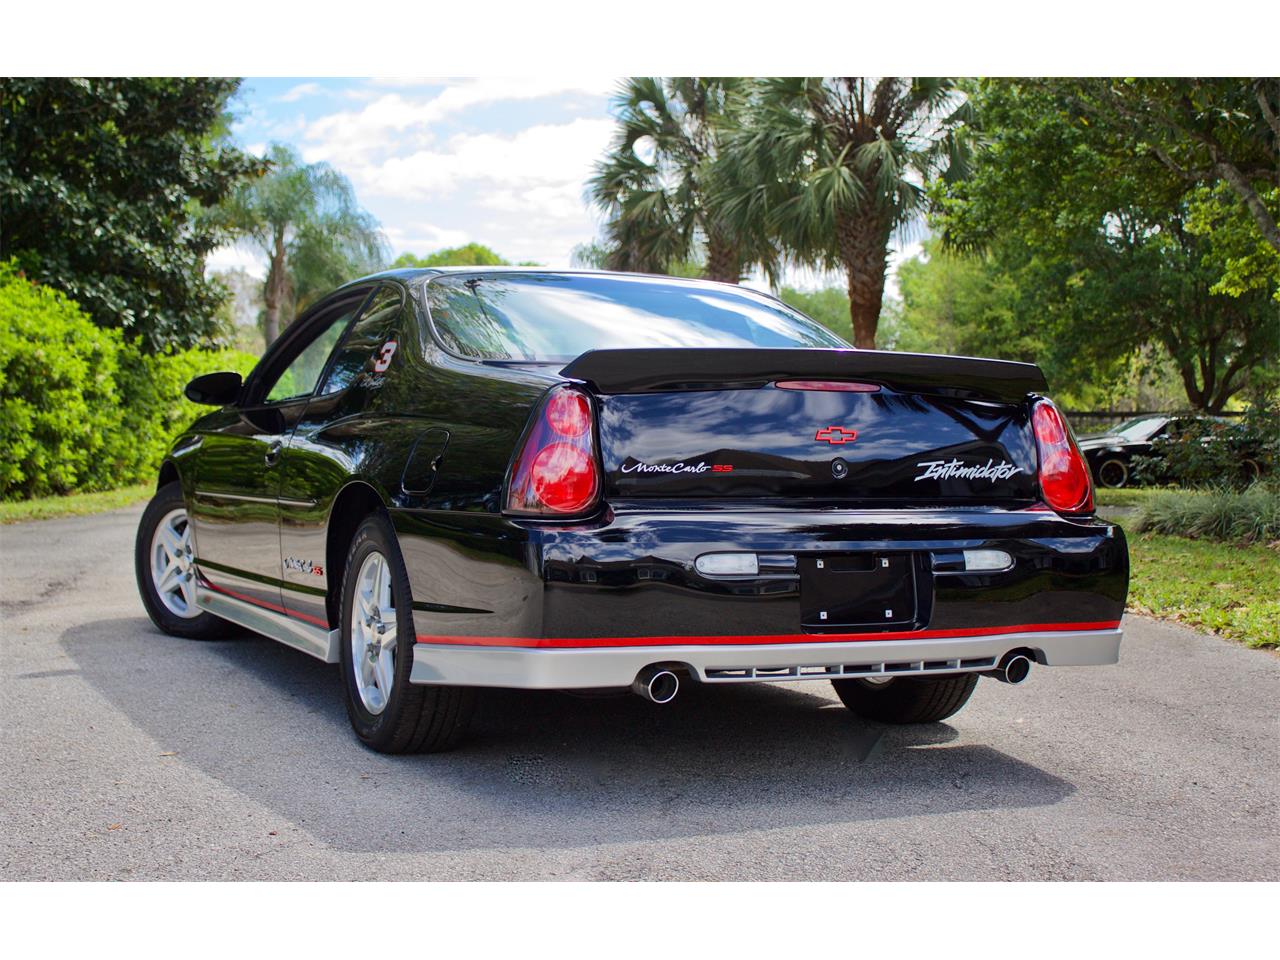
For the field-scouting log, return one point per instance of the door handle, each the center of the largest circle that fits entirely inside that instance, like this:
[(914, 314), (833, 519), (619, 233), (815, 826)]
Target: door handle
[(273, 453)]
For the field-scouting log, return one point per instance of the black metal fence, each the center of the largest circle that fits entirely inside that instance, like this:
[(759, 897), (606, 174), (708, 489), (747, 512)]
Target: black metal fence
[(1096, 421)]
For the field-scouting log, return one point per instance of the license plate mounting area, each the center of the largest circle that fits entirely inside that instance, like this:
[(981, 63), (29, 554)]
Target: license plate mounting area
[(864, 590)]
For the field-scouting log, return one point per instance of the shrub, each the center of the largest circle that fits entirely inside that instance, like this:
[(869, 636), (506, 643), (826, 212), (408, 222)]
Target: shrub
[(58, 396), (154, 409), (80, 408), (1243, 516), (1208, 452)]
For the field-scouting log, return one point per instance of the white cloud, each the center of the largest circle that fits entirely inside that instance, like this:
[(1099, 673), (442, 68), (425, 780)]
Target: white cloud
[(549, 155), (423, 238), (298, 92)]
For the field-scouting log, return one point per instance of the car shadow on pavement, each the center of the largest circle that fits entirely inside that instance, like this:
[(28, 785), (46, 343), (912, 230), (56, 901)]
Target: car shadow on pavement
[(541, 769)]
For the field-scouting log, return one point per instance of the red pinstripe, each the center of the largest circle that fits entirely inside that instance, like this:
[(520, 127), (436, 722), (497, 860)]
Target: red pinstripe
[(658, 641)]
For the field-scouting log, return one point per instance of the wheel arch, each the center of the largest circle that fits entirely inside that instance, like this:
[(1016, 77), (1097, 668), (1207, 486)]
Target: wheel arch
[(168, 474), (355, 501)]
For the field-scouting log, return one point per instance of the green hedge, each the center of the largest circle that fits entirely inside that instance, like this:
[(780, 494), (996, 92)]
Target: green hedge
[(81, 408)]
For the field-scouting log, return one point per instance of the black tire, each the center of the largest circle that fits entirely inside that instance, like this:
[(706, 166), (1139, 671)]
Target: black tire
[(1113, 472), (907, 699), (205, 626), (416, 718)]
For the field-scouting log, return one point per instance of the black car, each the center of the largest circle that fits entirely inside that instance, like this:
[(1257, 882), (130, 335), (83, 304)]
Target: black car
[(449, 480), (1113, 455)]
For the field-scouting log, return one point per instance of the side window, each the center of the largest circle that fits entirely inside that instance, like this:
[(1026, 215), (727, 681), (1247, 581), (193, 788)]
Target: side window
[(369, 345), (299, 378)]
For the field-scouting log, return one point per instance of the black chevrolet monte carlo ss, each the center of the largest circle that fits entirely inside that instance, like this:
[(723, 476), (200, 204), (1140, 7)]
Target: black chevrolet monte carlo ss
[(449, 480)]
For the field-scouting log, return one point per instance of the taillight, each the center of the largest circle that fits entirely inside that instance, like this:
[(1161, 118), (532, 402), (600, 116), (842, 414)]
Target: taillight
[(1064, 476), (556, 472)]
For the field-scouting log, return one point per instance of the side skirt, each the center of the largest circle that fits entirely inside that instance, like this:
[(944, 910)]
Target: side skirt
[(317, 641)]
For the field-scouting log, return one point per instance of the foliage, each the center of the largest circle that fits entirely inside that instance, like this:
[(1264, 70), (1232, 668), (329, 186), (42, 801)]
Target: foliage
[(1237, 516), (1227, 588), (829, 306), (1099, 238), (59, 401), (104, 187), (467, 255), (654, 185), (153, 408), (81, 408), (315, 235), (831, 167), (75, 504), (1214, 131)]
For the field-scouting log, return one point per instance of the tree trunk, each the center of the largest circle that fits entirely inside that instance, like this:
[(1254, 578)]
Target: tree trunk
[(275, 292), (723, 263), (864, 246)]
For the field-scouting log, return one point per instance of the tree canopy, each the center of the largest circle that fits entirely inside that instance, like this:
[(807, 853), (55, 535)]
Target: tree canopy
[(1109, 250), (655, 183), (316, 236), (467, 255), (831, 167), (105, 185)]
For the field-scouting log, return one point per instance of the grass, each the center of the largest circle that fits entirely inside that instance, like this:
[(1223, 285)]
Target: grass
[(73, 505), (1231, 589), (1125, 497)]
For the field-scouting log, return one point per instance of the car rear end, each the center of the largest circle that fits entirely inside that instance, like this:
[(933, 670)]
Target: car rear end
[(734, 515)]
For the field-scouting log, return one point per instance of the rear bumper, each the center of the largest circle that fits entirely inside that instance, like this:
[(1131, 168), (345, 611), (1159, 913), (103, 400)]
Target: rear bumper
[(587, 667), (507, 603)]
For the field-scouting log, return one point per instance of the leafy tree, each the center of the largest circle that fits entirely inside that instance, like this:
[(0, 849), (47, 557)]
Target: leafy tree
[(829, 306), (833, 166), (654, 184), (1202, 130), (305, 218), (467, 255), (103, 183), (1097, 234)]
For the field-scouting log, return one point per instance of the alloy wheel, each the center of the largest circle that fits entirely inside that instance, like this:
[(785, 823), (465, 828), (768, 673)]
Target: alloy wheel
[(373, 634), (173, 568)]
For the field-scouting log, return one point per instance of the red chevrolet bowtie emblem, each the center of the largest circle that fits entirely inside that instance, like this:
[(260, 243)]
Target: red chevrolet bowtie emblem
[(836, 435)]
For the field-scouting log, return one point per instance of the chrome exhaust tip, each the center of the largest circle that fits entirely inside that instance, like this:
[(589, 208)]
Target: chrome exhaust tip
[(1013, 668), (656, 684)]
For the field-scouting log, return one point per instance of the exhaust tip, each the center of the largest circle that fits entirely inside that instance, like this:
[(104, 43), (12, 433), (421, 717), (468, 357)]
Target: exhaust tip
[(1014, 668), (656, 685)]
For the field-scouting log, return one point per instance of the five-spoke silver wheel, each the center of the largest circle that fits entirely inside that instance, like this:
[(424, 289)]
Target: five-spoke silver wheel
[(173, 569), (373, 634)]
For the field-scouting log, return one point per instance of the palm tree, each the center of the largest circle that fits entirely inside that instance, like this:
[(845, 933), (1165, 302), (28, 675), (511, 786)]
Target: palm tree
[(833, 166), (305, 218), (652, 183)]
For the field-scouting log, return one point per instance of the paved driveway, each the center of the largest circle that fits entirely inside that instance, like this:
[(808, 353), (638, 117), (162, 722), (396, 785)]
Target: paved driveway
[(125, 753)]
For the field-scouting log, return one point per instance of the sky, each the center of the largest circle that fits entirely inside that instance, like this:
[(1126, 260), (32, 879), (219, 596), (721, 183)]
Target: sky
[(443, 162)]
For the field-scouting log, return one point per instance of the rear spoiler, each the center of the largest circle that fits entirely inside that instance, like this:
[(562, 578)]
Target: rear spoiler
[(660, 370)]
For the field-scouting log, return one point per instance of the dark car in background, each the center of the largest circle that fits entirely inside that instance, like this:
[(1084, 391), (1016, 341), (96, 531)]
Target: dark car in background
[(1131, 452), (450, 480)]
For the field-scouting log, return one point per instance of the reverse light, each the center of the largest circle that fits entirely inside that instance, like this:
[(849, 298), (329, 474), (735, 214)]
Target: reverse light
[(1064, 476), (727, 565), (987, 560), (556, 471)]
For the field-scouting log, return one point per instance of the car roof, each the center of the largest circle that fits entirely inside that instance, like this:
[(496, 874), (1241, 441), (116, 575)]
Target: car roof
[(411, 274)]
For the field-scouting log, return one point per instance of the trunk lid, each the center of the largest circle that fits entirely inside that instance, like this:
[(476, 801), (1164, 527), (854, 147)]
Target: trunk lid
[(935, 430)]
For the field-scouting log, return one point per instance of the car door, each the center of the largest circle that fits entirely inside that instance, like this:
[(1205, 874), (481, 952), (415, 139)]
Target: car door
[(321, 455), (235, 509)]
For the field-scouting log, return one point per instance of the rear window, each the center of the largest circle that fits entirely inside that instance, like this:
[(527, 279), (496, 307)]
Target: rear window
[(557, 317)]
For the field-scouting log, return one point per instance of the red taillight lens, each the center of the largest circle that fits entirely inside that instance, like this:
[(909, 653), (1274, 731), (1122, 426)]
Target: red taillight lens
[(1064, 476), (556, 472)]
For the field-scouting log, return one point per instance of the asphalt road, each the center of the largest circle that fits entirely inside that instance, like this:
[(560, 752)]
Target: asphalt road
[(129, 754)]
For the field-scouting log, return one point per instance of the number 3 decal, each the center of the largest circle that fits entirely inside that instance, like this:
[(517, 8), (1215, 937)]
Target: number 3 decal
[(384, 357)]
